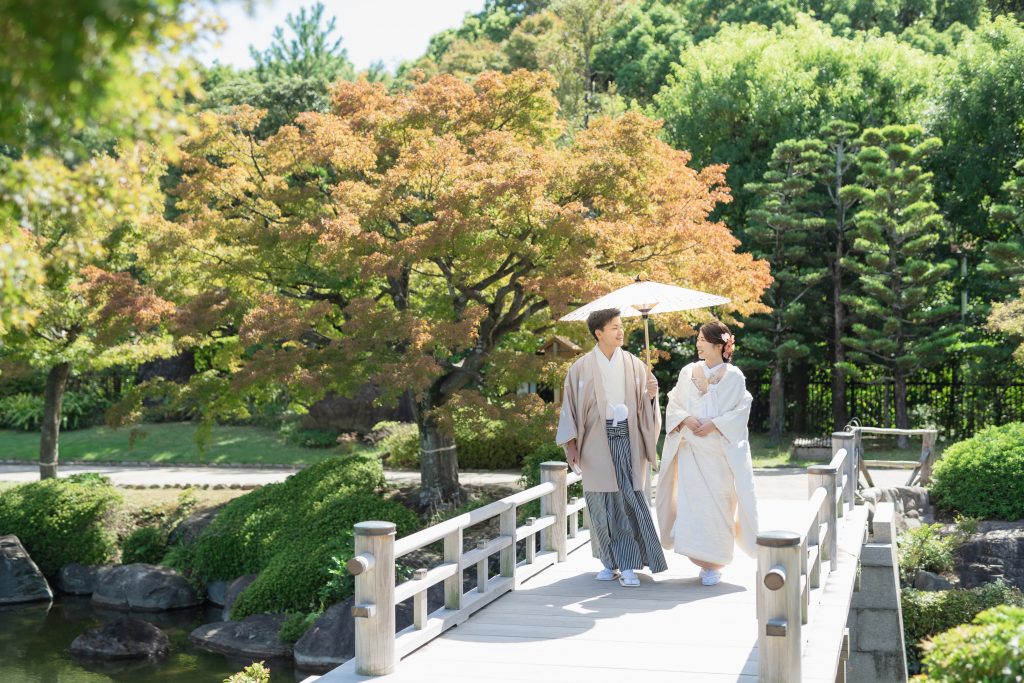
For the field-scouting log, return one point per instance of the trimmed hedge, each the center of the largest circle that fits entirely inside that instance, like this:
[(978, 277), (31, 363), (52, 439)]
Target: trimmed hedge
[(60, 521), (983, 476), (990, 649), (928, 613), (289, 532)]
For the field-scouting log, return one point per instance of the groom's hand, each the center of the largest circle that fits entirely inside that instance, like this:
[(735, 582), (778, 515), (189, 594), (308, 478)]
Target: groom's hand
[(652, 387)]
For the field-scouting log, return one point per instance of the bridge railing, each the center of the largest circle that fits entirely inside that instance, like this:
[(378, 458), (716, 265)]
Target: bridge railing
[(377, 646), (922, 472), (793, 563)]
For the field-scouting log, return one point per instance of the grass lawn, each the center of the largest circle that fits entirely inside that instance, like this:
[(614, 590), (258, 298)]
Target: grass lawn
[(876, 447), (172, 443)]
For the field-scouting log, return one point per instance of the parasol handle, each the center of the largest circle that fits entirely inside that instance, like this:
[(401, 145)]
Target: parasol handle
[(647, 341)]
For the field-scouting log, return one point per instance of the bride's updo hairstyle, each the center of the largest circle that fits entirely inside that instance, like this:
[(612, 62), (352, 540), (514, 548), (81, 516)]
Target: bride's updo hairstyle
[(715, 332)]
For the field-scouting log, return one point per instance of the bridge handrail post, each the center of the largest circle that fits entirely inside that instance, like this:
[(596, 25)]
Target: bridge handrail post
[(825, 476), (556, 503), (847, 440), (374, 604), (779, 633)]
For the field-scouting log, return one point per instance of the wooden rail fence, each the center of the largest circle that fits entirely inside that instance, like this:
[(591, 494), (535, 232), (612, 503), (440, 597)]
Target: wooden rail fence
[(791, 564), (377, 646)]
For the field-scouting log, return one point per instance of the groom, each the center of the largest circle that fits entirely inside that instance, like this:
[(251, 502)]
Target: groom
[(609, 427)]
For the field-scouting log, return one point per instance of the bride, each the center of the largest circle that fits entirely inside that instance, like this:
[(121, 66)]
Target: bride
[(706, 502)]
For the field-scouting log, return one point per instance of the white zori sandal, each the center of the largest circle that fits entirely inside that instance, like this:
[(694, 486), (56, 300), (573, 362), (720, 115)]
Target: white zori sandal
[(607, 574), (629, 579)]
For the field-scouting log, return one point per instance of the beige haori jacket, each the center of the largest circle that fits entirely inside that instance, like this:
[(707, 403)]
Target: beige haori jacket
[(583, 418)]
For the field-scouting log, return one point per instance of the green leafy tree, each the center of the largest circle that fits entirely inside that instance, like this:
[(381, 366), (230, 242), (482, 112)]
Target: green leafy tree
[(786, 230), (733, 97), (904, 307), (310, 53), (1006, 259), (418, 240), (979, 108), (70, 68), (293, 75), (841, 147), (85, 225), (644, 40)]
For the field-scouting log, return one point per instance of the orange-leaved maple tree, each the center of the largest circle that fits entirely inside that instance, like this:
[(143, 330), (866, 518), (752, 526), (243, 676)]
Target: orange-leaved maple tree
[(403, 239)]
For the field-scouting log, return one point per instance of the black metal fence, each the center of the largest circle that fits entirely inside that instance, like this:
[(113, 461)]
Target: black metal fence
[(942, 399)]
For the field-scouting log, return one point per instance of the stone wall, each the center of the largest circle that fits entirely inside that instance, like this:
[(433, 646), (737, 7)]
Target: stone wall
[(876, 619)]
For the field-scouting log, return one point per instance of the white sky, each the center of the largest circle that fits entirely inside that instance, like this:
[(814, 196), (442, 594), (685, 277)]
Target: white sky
[(387, 30)]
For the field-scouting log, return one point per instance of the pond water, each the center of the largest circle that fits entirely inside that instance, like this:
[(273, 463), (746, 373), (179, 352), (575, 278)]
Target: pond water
[(35, 637)]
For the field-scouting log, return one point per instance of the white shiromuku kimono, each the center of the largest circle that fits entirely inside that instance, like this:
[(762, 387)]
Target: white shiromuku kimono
[(706, 503)]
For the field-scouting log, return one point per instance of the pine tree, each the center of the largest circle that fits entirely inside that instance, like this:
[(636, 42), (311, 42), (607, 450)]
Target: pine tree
[(786, 229), (902, 312), (840, 140)]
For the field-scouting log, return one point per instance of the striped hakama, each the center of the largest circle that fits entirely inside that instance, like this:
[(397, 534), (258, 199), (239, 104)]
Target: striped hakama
[(622, 533)]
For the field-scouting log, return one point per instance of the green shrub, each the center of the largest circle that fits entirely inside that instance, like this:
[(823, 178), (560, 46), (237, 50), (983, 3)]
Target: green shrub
[(21, 411), (400, 444), (60, 521), (983, 476), (924, 548), (309, 438), (546, 452), (292, 578), (254, 673), (289, 532), (990, 649), (147, 544), (79, 410), (295, 625), (927, 613)]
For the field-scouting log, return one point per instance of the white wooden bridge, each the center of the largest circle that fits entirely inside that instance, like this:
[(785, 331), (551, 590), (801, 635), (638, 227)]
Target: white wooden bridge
[(780, 617)]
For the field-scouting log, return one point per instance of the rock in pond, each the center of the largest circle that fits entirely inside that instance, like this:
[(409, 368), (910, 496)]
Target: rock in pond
[(125, 638), (79, 579), (217, 592), (143, 587), (330, 641), (255, 636), (235, 589), (20, 578)]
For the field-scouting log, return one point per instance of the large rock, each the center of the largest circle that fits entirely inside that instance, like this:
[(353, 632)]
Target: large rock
[(330, 641), (79, 579), (187, 531), (124, 638), (235, 589), (910, 503), (358, 413), (255, 636), (217, 592), (930, 581), (144, 587), (20, 578), (995, 552)]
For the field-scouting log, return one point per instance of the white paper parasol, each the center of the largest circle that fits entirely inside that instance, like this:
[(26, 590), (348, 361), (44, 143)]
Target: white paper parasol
[(646, 299)]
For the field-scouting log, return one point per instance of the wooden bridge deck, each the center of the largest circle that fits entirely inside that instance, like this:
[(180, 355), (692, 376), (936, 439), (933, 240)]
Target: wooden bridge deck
[(564, 626)]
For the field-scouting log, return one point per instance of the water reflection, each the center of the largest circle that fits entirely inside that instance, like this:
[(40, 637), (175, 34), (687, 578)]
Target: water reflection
[(35, 637)]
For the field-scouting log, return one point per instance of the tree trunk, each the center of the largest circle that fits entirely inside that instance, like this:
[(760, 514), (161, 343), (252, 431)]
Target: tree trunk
[(799, 383), (839, 415), (776, 405), (900, 399), (56, 382), (439, 462)]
